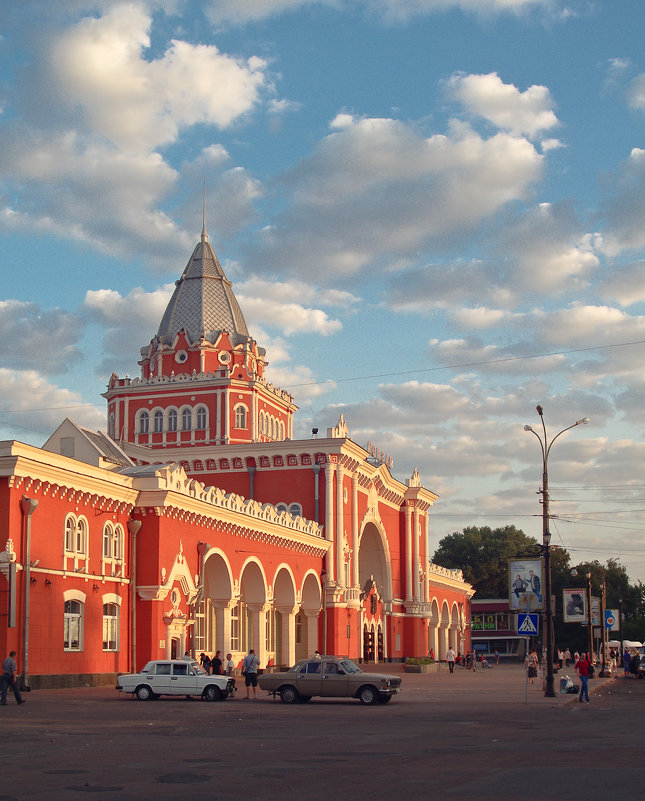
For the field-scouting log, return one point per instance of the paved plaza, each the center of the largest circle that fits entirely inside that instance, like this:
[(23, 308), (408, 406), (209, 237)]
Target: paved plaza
[(471, 736)]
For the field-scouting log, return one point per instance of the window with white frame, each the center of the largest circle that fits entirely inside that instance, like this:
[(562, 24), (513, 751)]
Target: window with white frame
[(235, 628), (73, 626), (76, 542), (111, 627), (201, 418), (144, 422), (112, 549), (240, 416), (295, 509), (186, 420), (158, 422), (172, 419)]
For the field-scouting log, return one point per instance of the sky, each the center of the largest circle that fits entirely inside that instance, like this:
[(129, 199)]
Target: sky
[(432, 212)]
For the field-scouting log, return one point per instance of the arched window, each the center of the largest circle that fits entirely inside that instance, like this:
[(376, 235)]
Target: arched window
[(201, 418), (295, 509), (172, 420), (144, 422), (70, 531), (240, 417), (81, 536), (73, 626), (281, 507), (186, 420), (111, 425), (110, 627), (158, 422), (117, 549), (108, 535), (281, 432)]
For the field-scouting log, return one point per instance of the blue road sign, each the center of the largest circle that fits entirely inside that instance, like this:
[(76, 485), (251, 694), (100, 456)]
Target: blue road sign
[(527, 624)]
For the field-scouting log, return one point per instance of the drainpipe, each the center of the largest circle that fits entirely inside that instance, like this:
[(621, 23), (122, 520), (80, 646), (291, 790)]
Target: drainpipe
[(133, 528), (316, 494), (28, 506), (251, 468)]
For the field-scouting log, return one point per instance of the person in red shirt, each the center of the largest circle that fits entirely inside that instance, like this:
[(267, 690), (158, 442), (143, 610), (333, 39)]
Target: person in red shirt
[(582, 667)]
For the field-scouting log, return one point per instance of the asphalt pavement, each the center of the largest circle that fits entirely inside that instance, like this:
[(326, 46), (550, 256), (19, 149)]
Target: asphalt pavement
[(482, 735)]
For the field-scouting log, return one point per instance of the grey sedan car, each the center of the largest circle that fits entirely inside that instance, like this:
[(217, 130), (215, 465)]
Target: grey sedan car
[(330, 677)]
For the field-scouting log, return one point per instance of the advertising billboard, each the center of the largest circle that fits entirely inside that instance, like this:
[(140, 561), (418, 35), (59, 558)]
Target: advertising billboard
[(526, 581), (574, 603)]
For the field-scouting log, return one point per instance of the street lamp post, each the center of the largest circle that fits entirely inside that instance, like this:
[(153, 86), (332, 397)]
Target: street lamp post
[(546, 446)]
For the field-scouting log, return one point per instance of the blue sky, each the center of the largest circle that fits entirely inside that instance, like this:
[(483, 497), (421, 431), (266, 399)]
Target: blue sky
[(433, 213)]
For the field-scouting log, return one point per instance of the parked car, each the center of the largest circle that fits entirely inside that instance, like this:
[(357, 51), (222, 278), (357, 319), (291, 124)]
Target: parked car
[(330, 677), (637, 664), (175, 677)]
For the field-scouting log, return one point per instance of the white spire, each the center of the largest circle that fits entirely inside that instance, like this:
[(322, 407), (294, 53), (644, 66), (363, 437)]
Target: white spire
[(204, 234)]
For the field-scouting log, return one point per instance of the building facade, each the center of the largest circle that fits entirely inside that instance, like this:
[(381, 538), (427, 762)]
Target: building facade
[(198, 523)]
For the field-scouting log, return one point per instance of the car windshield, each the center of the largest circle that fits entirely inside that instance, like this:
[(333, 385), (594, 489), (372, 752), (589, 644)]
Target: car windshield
[(197, 670), (350, 667)]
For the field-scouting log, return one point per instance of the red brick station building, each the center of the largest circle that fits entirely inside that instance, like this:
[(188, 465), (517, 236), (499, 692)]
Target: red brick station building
[(197, 523)]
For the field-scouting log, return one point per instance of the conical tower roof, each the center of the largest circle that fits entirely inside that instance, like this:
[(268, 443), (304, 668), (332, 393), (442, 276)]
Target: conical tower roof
[(203, 303)]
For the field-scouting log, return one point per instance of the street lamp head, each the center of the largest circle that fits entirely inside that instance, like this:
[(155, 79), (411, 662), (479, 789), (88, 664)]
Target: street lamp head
[(539, 410), (546, 537), (528, 428), (574, 572), (582, 422)]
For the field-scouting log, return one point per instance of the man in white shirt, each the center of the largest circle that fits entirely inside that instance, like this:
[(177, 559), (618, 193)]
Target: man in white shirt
[(450, 658)]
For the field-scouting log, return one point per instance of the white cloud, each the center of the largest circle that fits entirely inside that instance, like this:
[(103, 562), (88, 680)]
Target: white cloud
[(45, 340), (141, 104), (377, 189), (625, 210), (522, 113), (636, 94), (130, 322), (624, 284), (35, 407)]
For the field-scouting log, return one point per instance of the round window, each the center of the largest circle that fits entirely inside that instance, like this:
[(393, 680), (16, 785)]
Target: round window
[(181, 356), (224, 357)]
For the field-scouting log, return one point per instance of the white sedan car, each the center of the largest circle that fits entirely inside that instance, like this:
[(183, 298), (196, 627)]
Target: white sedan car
[(175, 677)]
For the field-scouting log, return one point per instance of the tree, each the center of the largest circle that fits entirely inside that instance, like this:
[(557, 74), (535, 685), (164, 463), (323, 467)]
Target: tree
[(482, 554)]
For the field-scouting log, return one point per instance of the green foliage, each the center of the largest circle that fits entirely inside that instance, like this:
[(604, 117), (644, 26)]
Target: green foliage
[(418, 660), (482, 554)]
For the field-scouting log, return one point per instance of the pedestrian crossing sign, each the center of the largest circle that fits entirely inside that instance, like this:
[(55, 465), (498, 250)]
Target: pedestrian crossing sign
[(527, 624)]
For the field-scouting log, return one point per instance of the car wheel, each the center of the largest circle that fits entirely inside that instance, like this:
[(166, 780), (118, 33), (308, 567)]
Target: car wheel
[(383, 699), (368, 694), (304, 699), (212, 693), (143, 692), (289, 694)]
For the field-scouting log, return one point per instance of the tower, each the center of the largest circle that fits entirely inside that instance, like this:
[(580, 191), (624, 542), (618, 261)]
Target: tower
[(202, 375)]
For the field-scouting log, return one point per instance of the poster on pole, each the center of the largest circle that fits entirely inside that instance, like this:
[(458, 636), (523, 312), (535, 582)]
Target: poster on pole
[(574, 604), (526, 579)]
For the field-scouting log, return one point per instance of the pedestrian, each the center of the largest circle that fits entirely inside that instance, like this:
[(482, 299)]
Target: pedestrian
[(216, 664), (450, 659), (626, 663), (229, 670), (250, 665), (496, 657), (205, 662), (567, 657), (469, 660), (9, 670), (474, 660), (560, 657), (582, 668), (532, 666), (431, 654)]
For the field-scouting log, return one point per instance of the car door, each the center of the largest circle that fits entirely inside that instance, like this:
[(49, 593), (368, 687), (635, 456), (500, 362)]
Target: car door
[(183, 681), (308, 679), (159, 678), (334, 680)]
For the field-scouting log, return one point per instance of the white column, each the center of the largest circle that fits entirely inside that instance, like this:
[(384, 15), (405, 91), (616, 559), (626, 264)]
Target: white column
[(329, 518), (409, 590), (340, 529), (312, 632), (288, 644), (223, 627), (416, 564), (426, 560), (355, 530), (258, 631)]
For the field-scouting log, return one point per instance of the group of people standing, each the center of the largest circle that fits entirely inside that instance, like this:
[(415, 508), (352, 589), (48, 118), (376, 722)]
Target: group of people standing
[(250, 664)]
